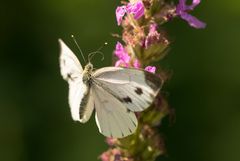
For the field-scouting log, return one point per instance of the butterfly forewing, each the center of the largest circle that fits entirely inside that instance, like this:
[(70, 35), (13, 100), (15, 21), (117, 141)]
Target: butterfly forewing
[(136, 89), (69, 64), (79, 93)]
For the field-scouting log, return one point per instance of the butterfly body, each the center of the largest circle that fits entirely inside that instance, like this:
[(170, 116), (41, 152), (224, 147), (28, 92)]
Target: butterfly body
[(114, 93), (87, 73)]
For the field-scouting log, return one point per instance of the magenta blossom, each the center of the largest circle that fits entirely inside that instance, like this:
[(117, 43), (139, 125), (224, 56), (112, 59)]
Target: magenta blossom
[(111, 154), (105, 156), (151, 69), (111, 141), (124, 59), (121, 63), (182, 10), (120, 12), (136, 64), (137, 9), (153, 27), (122, 55), (153, 36)]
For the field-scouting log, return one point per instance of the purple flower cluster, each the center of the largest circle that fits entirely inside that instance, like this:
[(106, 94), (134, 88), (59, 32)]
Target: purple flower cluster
[(124, 59), (137, 9), (182, 11)]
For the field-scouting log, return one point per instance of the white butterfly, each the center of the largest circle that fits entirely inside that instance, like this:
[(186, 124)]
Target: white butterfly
[(114, 92)]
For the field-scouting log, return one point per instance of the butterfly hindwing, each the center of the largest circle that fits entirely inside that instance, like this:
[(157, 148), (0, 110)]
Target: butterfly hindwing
[(134, 88), (112, 117), (86, 106)]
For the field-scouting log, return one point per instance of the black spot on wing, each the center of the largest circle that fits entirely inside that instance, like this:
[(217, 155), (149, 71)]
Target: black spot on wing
[(130, 130), (134, 124), (138, 90), (69, 76), (127, 99)]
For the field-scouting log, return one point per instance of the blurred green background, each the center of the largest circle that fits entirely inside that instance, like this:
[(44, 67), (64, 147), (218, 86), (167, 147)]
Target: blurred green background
[(35, 121)]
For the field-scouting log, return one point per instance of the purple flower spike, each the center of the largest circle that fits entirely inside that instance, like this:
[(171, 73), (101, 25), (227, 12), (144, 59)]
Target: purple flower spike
[(182, 10), (137, 9), (151, 69), (120, 12)]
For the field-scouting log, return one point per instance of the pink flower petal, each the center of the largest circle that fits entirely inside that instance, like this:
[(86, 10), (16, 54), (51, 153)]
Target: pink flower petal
[(105, 156), (193, 21), (136, 64), (119, 49), (153, 36), (182, 11), (194, 4), (121, 63), (120, 12), (153, 27), (137, 9), (111, 141), (118, 63), (151, 69), (121, 53)]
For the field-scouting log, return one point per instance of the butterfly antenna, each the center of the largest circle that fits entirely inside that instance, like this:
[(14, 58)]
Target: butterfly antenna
[(92, 54), (78, 48)]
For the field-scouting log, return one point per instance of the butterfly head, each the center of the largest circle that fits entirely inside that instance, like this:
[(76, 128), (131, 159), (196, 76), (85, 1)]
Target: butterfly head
[(89, 67)]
